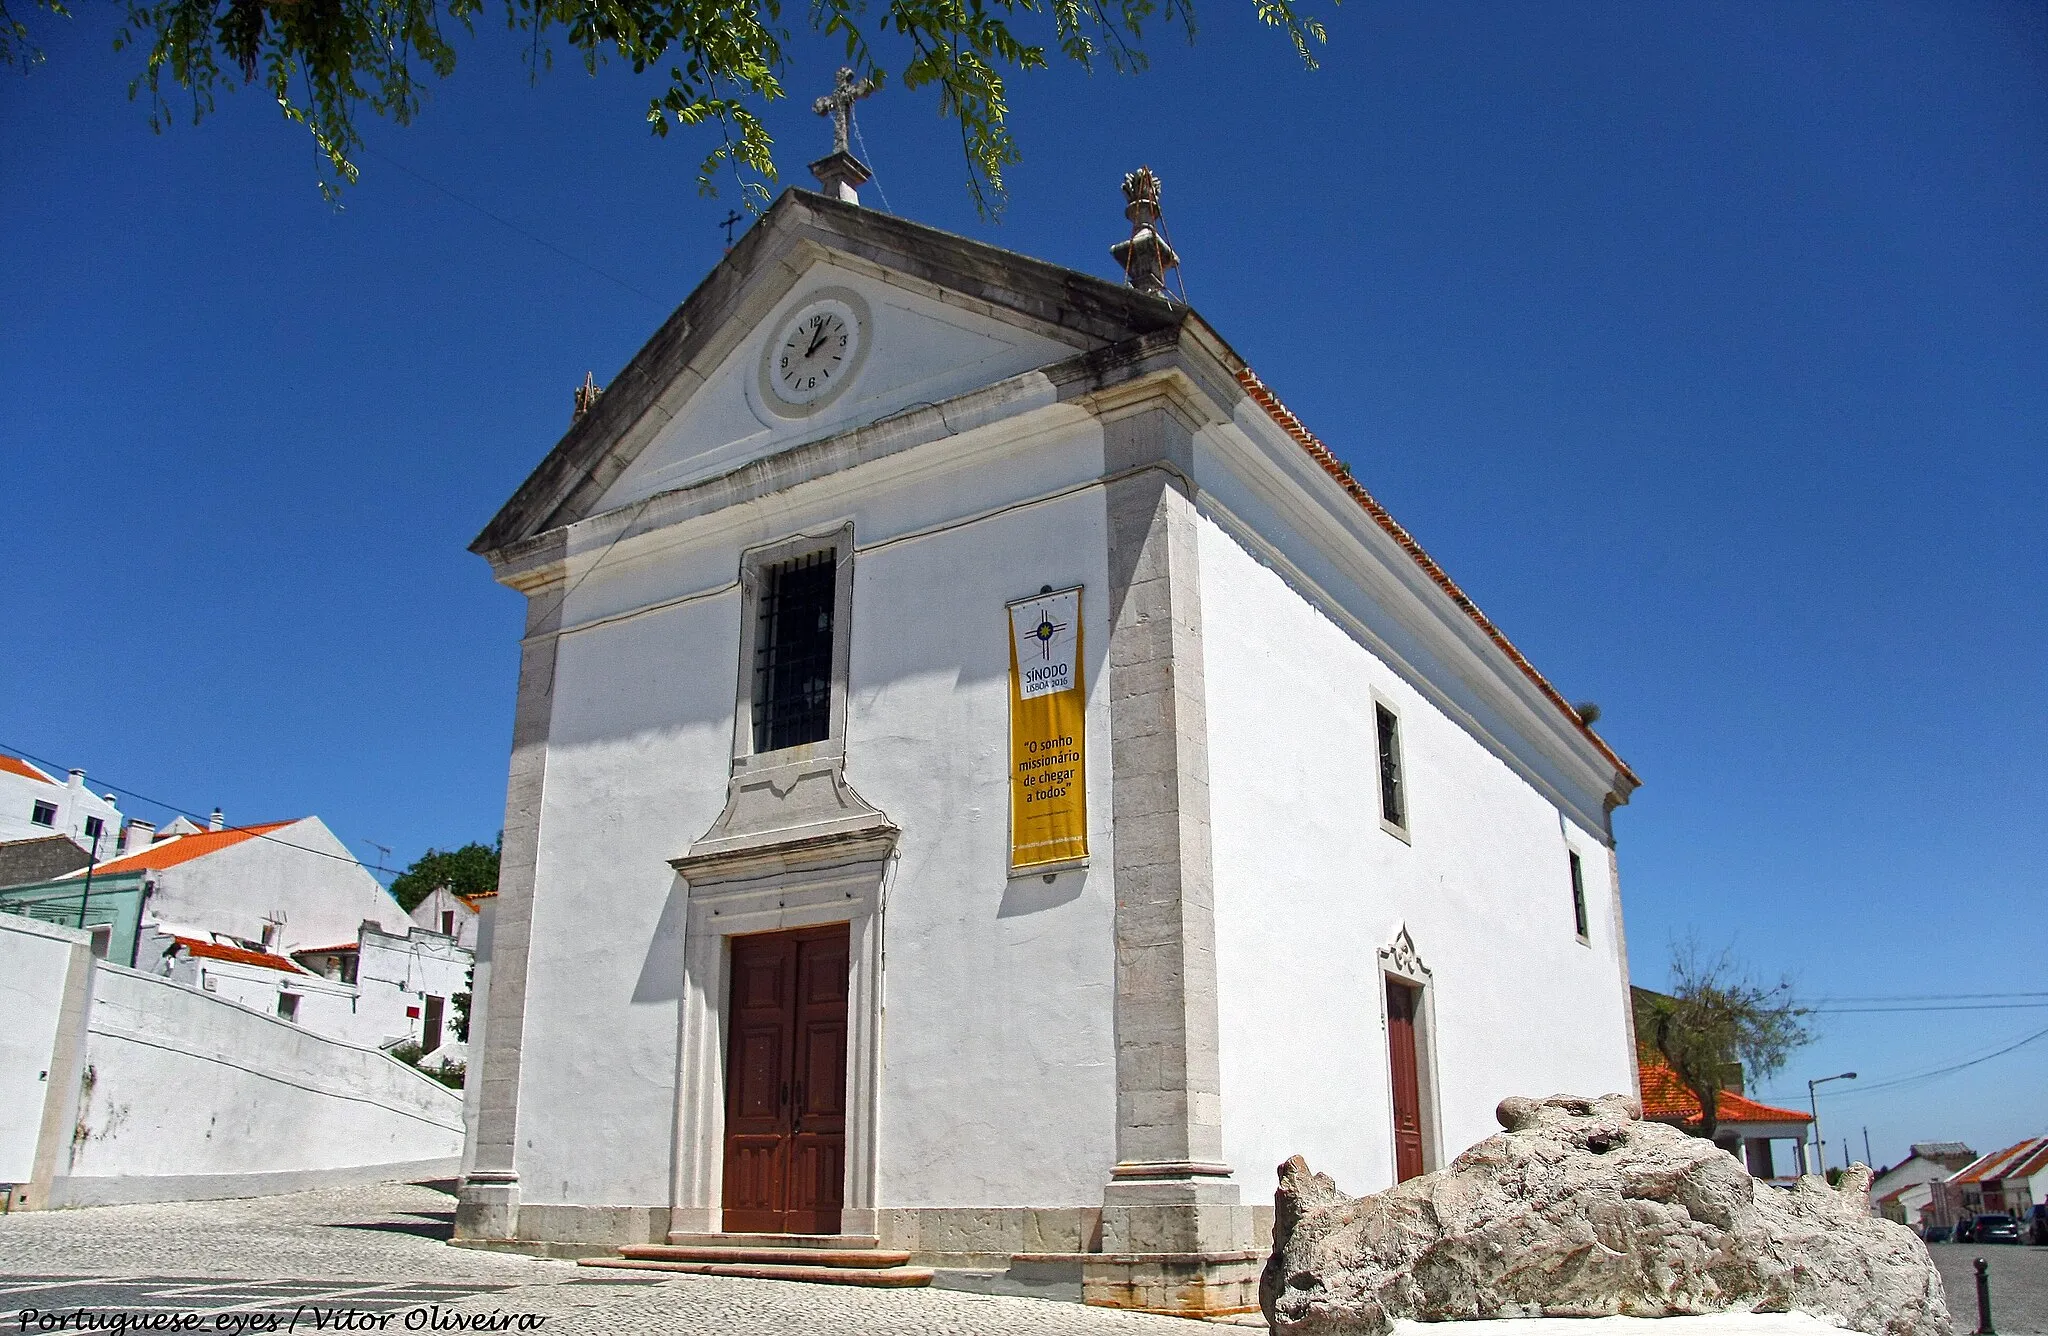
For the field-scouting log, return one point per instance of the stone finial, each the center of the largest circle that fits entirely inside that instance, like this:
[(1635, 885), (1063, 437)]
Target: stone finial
[(586, 395), (840, 173), (1145, 256)]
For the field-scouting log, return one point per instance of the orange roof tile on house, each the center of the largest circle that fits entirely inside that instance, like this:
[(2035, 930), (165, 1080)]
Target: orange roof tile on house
[(1324, 456), (184, 848), (1666, 1100), (2024, 1160), (215, 951), (326, 950), (14, 765)]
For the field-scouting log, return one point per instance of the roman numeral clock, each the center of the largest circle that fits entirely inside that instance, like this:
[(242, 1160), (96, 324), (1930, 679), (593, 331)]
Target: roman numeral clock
[(814, 352)]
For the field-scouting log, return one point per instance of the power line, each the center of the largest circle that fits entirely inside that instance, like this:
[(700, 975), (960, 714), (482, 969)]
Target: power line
[(182, 810), (511, 226), (1914, 1078), (1924, 997), (1960, 1006)]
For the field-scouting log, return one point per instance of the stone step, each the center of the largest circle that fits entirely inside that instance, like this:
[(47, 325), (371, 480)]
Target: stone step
[(889, 1277), (837, 1242), (847, 1257)]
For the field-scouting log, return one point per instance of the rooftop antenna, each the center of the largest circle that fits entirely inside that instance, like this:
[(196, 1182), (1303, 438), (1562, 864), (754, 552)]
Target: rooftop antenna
[(383, 852)]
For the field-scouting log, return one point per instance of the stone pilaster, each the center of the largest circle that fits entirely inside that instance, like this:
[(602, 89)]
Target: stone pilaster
[(487, 1207), (1170, 1192)]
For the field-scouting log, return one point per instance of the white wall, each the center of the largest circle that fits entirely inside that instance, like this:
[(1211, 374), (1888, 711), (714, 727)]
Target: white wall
[(1309, 887), (187, 1096), (321, 900), (429, 912), (35, 959), (74, 803), (998, 1072)]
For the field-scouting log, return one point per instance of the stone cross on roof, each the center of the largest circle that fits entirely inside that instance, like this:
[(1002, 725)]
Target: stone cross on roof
[(839, 172), (838, 104)]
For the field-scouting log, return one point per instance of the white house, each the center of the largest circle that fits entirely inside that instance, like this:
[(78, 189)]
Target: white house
[(33, 805), (449, 914), (1905, 1190), (986, 778), (276, 887)]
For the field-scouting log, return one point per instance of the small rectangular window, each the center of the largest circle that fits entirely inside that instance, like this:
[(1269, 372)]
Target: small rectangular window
[(348, 968), (45, 814), (288, 1006), (94, 827), (793, 653), (1393, 792), (448, 922), (1579, 898)]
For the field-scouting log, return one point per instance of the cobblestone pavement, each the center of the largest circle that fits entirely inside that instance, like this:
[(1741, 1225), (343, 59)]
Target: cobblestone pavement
[(380, 1250), (2019, 1285)]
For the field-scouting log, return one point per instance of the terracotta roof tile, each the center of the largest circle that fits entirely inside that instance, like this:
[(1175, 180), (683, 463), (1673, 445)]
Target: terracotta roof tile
[(2016, 1161), (215, 951), (1666, 1100), (1322, 454), (14, 765), (184, 848)]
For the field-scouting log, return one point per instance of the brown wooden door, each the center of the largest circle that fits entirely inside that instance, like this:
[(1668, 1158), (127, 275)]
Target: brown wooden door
[(785, 1109), (1401, 1000)]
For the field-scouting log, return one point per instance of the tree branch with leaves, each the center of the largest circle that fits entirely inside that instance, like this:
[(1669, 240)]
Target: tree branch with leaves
[(326, 62), (1716, 1022)]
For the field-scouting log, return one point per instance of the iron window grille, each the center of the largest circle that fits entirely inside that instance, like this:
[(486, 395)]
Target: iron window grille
[(793, 652), (1579, 896), (1393, 794)]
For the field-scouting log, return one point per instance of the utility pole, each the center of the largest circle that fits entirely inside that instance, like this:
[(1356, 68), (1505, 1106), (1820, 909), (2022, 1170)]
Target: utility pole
[(1813, 1101), (92, 861), (1866, 1148)]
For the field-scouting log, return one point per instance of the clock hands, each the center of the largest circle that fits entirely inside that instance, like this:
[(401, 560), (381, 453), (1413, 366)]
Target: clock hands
[(816, 339)]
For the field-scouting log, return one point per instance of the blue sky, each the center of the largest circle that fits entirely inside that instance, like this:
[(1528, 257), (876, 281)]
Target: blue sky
[(1705, 345)]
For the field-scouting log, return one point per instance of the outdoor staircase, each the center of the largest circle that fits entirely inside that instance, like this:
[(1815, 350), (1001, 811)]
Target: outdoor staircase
[(821, 1259)]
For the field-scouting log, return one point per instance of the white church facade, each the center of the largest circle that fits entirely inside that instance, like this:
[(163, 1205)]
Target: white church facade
[(1000, 791)]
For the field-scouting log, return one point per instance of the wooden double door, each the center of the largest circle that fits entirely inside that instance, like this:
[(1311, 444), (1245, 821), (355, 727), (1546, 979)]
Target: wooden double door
[(785, 1082)]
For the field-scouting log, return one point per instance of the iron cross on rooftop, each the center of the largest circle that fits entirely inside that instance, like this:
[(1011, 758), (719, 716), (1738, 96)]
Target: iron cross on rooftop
[(838, 104)]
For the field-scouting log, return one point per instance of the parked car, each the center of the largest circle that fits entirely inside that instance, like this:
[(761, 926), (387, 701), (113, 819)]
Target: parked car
[(1994, 1227), (1937, 1233), (1962, 1231)]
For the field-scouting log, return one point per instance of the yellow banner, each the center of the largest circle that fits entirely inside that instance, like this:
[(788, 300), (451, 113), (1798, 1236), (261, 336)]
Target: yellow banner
[(1048, 732)]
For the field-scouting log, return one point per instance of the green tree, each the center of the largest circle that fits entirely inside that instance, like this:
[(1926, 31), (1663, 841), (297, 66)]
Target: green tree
[(1717, 1020), (465, 871), (324, 61)]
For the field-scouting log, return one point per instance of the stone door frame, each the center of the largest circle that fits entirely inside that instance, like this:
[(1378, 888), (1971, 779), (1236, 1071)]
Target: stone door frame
[(1401, 963), (801, 886)]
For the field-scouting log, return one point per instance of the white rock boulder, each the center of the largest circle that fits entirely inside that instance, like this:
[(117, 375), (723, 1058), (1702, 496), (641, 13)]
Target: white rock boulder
[(1582, 1209)]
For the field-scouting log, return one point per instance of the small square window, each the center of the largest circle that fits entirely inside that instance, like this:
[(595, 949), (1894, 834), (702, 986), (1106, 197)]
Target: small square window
[(94, 828), (1579, 898), (288, 1006), (45, 814), (1393, 788)]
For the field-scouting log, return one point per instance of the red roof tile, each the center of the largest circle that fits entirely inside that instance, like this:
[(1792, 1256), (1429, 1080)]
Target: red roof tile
[(2017, 1161), (1666, 1100), (1322, 454), (184, 848), (14, 765), (215, 951), (325, 950)]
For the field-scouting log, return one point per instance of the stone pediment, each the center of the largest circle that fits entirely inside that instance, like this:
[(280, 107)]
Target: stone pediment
[(786, 812), (948, 314)]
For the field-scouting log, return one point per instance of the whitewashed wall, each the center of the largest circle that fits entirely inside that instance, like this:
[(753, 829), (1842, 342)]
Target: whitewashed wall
[(322, 900), (997, 1063), (188, 1096), (1309, 887), (35, 959)]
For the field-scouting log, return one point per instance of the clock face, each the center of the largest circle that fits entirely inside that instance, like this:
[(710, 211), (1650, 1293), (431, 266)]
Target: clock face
[(816, 355)]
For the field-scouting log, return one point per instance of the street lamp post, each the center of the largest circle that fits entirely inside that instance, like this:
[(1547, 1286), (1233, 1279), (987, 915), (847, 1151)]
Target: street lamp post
[(1820, 1146)]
